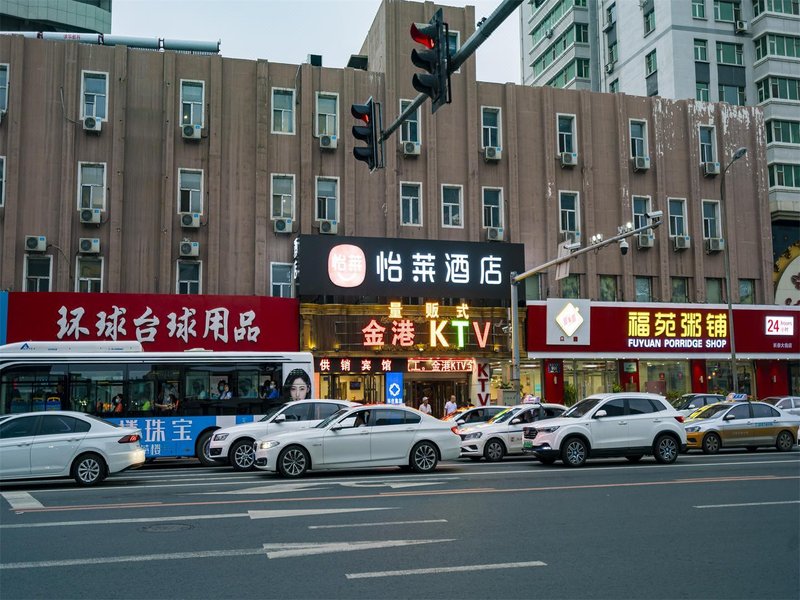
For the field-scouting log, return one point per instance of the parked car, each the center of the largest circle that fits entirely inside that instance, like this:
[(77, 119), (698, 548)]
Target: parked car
[(688, 403), (741, 424), (790, 404), (629, 424), (234, 444), (361, 437), (66, 444), (502, 435), (476, 414)]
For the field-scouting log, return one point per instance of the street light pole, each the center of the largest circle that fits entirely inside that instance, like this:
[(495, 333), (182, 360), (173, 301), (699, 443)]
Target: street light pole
[(740, 152)]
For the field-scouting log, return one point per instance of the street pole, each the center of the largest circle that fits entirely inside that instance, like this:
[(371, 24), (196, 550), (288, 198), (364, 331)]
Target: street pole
[(727, 257)]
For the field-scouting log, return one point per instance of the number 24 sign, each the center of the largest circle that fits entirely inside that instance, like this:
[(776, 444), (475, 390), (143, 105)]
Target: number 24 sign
[(779, 325)]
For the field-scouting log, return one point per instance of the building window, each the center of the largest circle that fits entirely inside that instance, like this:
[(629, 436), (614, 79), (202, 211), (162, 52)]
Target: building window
[(37, 273), (699, 9), (613, 87), (453, 43), (707, 153), (782, 175), (192, 103), (327, 199), (571, 286), (190, 191), (3, 88), (730, 54), (189, 277), (725, 10), (783, 132), (641, 206), (677, 216), (492, 207), (89, 274), (282, 111), (701, 92), (711, 225), (700, 50), (95, 95), (533, 288), (566, 133), (732, 94), (569, 213), (747, 291), (452, 209), (327, 111), (410, 204), (786, 7), (784, 88), (714, 290), (613, 54), (650, 21), (611, 14), (490, 117), (91, 186), (644, 288), (2, 180), (608, 288), (409, 130), (650, 64), (680, 289), (638, 131), (282, 196), (281, 279)]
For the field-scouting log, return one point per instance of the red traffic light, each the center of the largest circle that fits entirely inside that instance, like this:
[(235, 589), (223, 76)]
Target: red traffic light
[(362, 112), (424, 33)]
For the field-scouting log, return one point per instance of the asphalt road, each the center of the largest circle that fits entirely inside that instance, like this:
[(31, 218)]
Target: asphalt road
[(725, 526)]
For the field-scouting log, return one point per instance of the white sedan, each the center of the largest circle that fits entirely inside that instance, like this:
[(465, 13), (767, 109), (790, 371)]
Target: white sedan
[(361, 437), (66, 444)]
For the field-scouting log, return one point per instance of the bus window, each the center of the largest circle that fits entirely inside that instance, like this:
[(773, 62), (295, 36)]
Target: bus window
[(93, 387)]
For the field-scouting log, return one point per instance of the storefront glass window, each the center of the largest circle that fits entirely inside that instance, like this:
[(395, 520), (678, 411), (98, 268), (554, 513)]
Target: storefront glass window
[(583, 378), (668, 378)]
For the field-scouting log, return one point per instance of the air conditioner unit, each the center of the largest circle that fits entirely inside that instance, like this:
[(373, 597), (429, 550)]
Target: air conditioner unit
[(548, 33), (646, 240), (329, 227), (190, 220), (190, 248), (92, 124), (35, 243), (327, 142), (494, 234), (90, 215), (282, 225), (569, 159), (710, 169), (410, 148), (741, 27), (683, 242), (610, 67), (641, 163), (492, 153), (715, 245), (89, 245), (191, 131), (608, 25)]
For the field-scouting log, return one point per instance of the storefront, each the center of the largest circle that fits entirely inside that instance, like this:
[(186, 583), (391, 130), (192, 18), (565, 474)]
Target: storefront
[(580, 347)]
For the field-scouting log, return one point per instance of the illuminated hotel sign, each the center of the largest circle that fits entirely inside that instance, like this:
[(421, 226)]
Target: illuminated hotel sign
[(441, 365), (402, 267)]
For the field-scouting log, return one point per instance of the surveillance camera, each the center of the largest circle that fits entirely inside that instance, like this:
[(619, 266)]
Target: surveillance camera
[(654, 214), (623, 247)]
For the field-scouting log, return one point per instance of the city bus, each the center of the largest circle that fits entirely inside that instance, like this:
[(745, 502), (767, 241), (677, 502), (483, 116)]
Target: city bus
[(177, 399)]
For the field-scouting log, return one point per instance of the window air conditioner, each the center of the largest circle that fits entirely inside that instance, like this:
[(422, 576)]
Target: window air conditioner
[(548, 33), (282, 225), (741, 27), (641, 163), (710, 169), (683, 242), (646, 240), (494, 234), (190, 248), (410, 148), (89, 245), (190, 220), (90, 215), (609, 67), (569, 159), (191, 131), (35, 243), (327, 142), (92, 124), (492, 153), (329, 227), (715, 245)]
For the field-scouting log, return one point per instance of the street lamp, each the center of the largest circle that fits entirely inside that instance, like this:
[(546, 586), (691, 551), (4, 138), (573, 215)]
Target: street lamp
[(740, 152)]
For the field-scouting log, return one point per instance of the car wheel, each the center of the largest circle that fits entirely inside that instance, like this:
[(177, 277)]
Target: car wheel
[(424, 457), (547, 461), (635, 458), (785, 441), (711, 443), (89, 469), (666, 449), (574, 452), (242, 455), (494, 451), (202, 449), (293, 462)]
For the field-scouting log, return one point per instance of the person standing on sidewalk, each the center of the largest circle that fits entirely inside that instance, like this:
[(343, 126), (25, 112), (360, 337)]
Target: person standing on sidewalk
[(425, 406)]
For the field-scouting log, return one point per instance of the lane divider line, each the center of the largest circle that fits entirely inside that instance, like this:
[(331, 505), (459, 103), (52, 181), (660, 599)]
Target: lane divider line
[(437, 570)]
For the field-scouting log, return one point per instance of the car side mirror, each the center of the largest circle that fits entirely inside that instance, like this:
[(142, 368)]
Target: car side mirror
[(279, 418), (729, 418), (336, 427), (516, 421), (691, 406), (460, 422), (600, 413)]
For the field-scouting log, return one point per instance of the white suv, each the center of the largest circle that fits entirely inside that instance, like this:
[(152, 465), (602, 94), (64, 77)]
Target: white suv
[(235, 444), (628, 424)]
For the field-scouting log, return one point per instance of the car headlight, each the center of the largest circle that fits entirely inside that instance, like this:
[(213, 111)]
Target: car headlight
[(547, 429), (218, 437), (693, 429), (473, 436), (268, 444)]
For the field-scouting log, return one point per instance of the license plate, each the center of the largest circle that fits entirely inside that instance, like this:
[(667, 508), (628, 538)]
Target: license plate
[(527, 444)]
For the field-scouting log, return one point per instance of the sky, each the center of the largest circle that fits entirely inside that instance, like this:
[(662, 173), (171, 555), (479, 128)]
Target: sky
[(287, 31)]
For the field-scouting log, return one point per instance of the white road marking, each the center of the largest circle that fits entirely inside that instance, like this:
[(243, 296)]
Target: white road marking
[(278, 488), (100, 562), (293, 550), (119, 521), (392, 484), (747, 504), (277, 514), (349, 525), (19, 500), (518, 565)]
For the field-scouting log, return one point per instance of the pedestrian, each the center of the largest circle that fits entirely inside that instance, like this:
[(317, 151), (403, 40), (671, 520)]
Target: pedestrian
[(450, 406), (425, 406)]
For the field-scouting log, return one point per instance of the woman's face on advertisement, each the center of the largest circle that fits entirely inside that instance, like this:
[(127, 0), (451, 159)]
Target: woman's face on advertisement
[(298, 390)]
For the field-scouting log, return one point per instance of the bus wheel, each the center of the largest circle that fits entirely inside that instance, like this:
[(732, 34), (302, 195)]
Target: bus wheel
[(202, 449)]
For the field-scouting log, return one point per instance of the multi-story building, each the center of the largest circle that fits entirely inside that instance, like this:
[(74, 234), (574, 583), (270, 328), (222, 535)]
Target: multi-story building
[(78, 16), (201, 173)]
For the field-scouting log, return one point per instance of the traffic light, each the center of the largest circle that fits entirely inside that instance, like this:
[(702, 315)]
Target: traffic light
[(435, 60), (368, 132)]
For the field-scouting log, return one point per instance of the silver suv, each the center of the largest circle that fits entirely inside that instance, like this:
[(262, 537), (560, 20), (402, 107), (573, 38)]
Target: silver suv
[(628, 424)]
